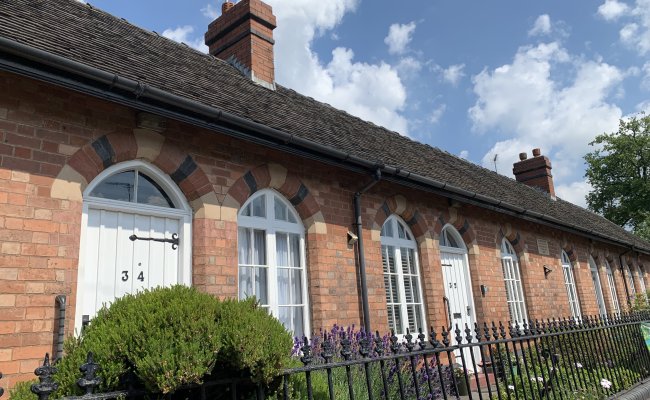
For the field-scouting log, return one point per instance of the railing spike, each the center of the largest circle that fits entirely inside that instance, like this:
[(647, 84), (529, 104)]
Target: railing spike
[(46, 385), (346, 346), (421, 339), (2, 391), (327, 348), (306, 352), (90, 380), (379, 344)]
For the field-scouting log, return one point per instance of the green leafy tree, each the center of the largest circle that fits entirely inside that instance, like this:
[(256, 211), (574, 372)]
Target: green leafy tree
[(619, 172)]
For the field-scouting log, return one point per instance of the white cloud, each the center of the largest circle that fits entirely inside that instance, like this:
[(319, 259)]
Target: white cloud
[(399, 36), (182, 34), (437, 113), (542, 26), (645, 82), (210, 11), (612, 9), (574, 192), (371, 91), (464, 154), (453, 74), (408, 67), (635, 32), (533, 107)]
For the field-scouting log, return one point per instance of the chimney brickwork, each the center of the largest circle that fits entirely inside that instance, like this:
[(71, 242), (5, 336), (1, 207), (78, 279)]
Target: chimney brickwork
[(243, 36), (535, 172)]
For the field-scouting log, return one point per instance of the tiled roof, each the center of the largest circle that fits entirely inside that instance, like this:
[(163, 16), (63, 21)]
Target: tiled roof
[(82, 33)]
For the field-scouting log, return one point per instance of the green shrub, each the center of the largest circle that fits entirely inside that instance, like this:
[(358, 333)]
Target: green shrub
[(23, 391), (253, 341), (170, 337)]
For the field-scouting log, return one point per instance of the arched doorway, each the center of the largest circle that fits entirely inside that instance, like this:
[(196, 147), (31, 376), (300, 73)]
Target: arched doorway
[(458, 285), (136, 234)]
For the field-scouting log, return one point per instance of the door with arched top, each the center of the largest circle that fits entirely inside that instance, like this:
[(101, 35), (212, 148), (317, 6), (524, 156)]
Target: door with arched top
[(459, 299), (135, 236)]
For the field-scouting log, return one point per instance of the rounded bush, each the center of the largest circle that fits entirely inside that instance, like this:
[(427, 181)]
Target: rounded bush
[(253, 342), (166, 337)]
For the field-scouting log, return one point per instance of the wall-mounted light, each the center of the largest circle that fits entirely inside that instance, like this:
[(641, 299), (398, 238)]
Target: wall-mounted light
[(484, 290), (547, 270), (352, 238)]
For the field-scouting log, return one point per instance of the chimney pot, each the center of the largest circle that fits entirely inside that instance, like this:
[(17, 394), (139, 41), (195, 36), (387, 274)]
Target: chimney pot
[(227, 5), (535, 172)]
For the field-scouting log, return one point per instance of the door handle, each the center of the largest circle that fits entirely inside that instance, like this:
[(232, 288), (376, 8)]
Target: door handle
[(174, 240), (469, 309)]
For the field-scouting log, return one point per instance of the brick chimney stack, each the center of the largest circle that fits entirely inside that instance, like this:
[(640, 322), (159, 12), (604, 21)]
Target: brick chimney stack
[(535, 172), (243, 36)]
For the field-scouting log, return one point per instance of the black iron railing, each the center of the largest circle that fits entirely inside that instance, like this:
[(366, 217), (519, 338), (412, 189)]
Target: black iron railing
[(596, 357)]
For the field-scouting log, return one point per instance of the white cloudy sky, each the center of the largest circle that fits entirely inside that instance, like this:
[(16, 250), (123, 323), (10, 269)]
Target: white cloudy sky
[(477, 79)]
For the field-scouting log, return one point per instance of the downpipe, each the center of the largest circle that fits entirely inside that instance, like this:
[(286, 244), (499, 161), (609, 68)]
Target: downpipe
[(360, 250)]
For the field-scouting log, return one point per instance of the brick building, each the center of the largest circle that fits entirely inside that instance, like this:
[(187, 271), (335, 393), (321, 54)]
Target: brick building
[(113, 135)]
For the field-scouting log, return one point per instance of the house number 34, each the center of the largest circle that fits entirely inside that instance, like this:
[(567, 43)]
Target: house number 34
[(125, 276)]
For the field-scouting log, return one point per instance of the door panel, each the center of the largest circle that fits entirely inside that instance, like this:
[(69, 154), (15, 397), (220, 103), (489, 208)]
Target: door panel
[(458, 291), (115, 265)]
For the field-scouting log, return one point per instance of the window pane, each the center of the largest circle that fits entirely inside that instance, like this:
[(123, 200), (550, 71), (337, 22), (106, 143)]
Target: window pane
[(400, 231), (388, 288), (120, 186), (280, 210), (295, 250), (298, 327), (259, 206), (296, 286), (281, 249), (261, 285), (393, 281), (283, 286), (259, 247), (416, 290), (245, 282), (246, 211), (398, 320), (149, 192), (284, 315), (244, 246), (387, 229)]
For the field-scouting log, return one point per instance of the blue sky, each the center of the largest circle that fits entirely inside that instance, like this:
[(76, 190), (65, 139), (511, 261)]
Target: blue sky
[(474, 78)]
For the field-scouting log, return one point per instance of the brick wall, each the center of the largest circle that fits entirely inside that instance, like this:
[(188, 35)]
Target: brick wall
[(46, 135)]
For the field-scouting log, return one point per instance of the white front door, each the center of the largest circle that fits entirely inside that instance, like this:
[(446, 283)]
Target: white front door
[(136, 235), (116, 265), (458, 290)]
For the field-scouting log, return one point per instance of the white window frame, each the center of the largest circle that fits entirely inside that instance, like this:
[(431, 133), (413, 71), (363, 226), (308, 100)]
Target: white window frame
[(398, 243), (630, 282), (612, 289), (512, 280), (642, 286), (271, 226), (595, 277), (570, 284)]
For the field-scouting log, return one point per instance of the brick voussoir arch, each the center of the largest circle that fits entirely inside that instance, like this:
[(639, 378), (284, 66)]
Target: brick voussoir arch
[(513, 236), (275, 176), (90, 160), (398, 205), (461, 223)]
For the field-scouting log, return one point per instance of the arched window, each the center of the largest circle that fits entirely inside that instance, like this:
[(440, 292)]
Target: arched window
[(401, 277), (612, 289), (449, 238), (595, 277), (639, 274), (630, 282), (512, 278), (272, 259), (570, 284)]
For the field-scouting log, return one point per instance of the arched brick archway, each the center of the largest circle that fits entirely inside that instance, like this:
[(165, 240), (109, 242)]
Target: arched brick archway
[(90, 160), (275, 176), (460, 222)]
